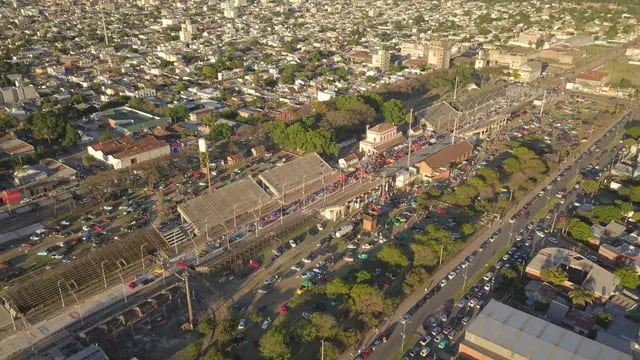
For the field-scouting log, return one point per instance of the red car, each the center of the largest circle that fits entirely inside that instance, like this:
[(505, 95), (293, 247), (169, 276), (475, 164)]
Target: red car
[(132, 285), (283, 310), (4, 264), (182, 264)]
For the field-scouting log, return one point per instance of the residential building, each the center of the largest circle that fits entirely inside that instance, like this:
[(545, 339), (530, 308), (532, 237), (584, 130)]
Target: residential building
[(413, 50), (436, 166), (125, 151), (530, 71), (506, 59), (501, 332), (581, 271), (200, 114), (10, 146), (564, 54), (439, 55), (527, 39), (381, 60), (230, 74), (380, 138), (186, 32), (348, 161), (230, 11)]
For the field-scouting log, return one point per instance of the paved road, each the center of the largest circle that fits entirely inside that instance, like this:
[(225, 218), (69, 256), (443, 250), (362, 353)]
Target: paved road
[(394, 342)]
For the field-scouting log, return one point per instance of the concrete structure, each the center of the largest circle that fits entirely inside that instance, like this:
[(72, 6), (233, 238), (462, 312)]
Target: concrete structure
[(127, 121), (580, 270), (439, 54), (381, 60), (564, 54), (47, 169), (436, 166), (501, 332), (594, 78), (10, 146), (15, 95), (186, 32), (305, 174), (125, 151), (200, 114), (380, 138), (413, 50), (506, 59), (530, 71)]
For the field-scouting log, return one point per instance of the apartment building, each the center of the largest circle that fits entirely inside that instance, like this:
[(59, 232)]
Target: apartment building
[(439, 55)]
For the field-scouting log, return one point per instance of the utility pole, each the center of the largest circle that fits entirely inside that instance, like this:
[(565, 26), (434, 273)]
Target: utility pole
[(464, 283), (189, 308), (455, 90), (455, 128), (409, 134), (441, 253), (104, 28), (404, 333), (544, 96)]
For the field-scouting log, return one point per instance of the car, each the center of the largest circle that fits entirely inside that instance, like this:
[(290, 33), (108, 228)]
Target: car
[(446, 330), (242, 324), (540, 233), (443, 344), (376, 272), (266, 323), (425, 351), (432, 321), (5, 264), (35, 237), (414, 351), (352, 245), (425, 340), (367, 246), (271, 280), (307, 260), (308, 275), (506, 257), (512, 220), (320, 227), (463, 302), (296, 267), (107, 207), (293, 243), (488, 276), (527, 243), (306, 315), (452, 335), (487, 287), (263, 291), (439, 337), (473, 302), (464, 264), (465, 320), (443, 282), (65, 223), (132, 285), (452, 275), (276, 252), (552, 240), (375, 344)]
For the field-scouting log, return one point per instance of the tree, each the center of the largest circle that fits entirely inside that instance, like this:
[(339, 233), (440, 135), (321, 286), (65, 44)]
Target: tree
[(555, 276), (88, 160), (581, 231), (7, 121), (511, 165), (418, 19), (324, 324), (605, 214), (362, 276), (508, 273), (48, 127), (273, 344), (366, 299), (77, 99), (630, 192), (633, 131), (210, 72), (104, 136), (220, 131), (214, 353), (423, 255), (71, 136), (590, 186), (180, 87), (604, 319), (336, 287), (177, 113), (392, 255), (539, 43), (467, 229), (628, 277), (414, 278), (581, 297), (393, 111)]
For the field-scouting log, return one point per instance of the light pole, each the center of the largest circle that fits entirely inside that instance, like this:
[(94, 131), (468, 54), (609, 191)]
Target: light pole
[(282, 207), (142, 255), (304, 199), (464, 282), (60, 290), (124, 290), (104, 274), (235, 225), (195, 249), (404, 333)]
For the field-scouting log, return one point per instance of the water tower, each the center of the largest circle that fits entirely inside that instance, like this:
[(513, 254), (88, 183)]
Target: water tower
[(203, 151)]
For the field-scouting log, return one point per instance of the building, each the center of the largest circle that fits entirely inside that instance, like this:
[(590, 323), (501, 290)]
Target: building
[(230, 11), (413, 50), (439, 55), (381, 60), (380, 138), (10, 146), (127, 121), (436, 166), (230, 74), (528, 39), (186, 32), (200, 114), (530, 71), (581, 271), (125, 151), (501, 332), (506, 59), (564, 54), (593, 78)]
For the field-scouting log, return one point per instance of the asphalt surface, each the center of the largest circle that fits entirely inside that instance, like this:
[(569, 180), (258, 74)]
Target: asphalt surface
[(394, 342)]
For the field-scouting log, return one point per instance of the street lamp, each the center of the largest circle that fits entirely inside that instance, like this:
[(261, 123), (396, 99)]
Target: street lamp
[(404, 333), (304, 200), (142, 255), (104, 275), (60, 290), (124, 290), (235, 225)]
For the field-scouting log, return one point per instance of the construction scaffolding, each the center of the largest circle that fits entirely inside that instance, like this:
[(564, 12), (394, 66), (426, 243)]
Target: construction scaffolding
[(42, 293)]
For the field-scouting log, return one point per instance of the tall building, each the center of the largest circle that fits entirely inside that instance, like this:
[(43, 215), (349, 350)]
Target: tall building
[(381, 60), (186, 32), (439, 54), (230, 11), (414, 50)]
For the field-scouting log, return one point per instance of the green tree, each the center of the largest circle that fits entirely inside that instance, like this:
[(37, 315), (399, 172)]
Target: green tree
[(220, 131), (423, 255), (467, 229), (48, 127), (366, 299), (628, 277), (77, 99), (539, 43), (590, 186), (393, 256), (581, 231), (88, 160), (180, 87), (604, 319), (7, 121), (418, 19), (362, 276), (508, 273), (511, 165), (71, 136), (554, 275), (104, 136), (393, 111), (633, 131), (581, 297), (337, 287), (274, 344), (177, 113), (413, 279), (210, 72), (324, 324), (605, 214), (630, 192)]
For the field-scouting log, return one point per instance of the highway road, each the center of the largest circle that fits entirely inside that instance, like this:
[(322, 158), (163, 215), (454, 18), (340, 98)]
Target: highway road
[(394, 342)]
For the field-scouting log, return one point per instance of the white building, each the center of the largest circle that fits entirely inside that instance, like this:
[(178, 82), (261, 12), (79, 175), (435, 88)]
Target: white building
[(125, 151), (439, 55), (186, 32), (381, 60), (413, 50), (380, 138)]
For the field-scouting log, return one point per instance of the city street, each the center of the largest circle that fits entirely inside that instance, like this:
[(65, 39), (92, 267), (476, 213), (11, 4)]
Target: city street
[(394, 342)]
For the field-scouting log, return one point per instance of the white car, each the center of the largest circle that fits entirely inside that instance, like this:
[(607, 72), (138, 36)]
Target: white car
[(352, 246), (292, 243), (452, 275), (270, 280), (107, 207), (367, 246), (65, 223), (306, 260), (35, 237), (488, 276), (443, 282), (296, 267), (552, 240), (425, 351), (242, 324), (266, 323), (425, 340), (487, 287)]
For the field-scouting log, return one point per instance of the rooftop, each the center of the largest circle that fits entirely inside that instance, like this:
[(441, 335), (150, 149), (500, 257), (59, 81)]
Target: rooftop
[(442, 158), (380, 128), (217, 207), (291, 175), (514, 334), (126, 146), (595, 75), (595, 278)]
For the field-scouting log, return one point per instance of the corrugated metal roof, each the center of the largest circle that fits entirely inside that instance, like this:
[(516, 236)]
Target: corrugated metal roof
[(526, 336)]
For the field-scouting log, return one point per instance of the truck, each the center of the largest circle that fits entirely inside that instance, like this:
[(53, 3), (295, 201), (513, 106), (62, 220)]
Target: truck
[(344, 230)]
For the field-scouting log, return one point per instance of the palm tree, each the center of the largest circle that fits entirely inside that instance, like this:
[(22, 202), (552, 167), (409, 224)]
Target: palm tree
[(581, 297)]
